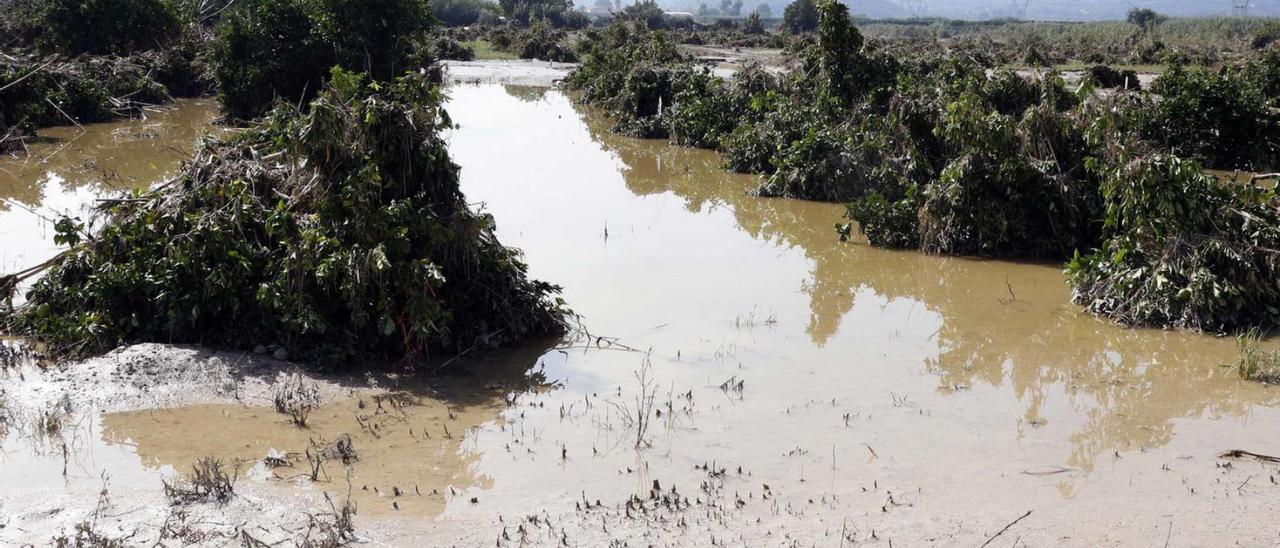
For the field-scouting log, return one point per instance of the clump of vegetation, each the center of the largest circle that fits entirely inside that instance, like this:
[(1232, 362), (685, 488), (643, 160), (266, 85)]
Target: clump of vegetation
[(1181, 248), (295, 397), (460, 13), (210, 481), (107, 26), (633, 73), (558, 13), (40, 91), (541, 41), (340, 232), (1219, 117), (1104, 76), (447, 47), (72, 62), (266, 49), (800, 16), (1253, 363)]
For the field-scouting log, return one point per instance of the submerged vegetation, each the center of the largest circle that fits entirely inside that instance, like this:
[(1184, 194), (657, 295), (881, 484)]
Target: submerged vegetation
[(1254, 363), (953, 154), (340, 233)]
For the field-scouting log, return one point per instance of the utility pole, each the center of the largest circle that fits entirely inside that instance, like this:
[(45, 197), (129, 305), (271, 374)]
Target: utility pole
[(1239, 8)]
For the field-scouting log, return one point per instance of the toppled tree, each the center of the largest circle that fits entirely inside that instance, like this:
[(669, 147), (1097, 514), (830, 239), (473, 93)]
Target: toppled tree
[(283, 48), (341, 233), (37, 91)]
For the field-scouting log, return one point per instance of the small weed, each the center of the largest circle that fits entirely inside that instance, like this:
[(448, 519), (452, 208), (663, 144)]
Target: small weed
[(296, 398), (1254, 363), (210, 481)]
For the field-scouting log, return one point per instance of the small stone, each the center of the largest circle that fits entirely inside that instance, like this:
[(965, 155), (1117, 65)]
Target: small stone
[(281, 354), (259, 349)]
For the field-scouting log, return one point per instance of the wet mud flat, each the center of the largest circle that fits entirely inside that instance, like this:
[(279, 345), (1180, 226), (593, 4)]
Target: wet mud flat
[(749, 380)]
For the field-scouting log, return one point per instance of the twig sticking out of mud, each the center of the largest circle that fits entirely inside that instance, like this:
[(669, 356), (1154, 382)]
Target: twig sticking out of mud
[(1006, 528), (1241, 453)]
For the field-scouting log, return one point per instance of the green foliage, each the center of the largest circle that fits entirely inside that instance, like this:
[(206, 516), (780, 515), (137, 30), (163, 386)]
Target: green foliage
[(1145, 19), (559, 13), (1104, 76), (353, 244), (887, 223), (1219, 117), (646, 12), (283, 48), (541, 41), (754, 24), (1254, 363), (1266, 35), (39, 91), (800, 16), (631, 72), (1181, 249), (447, 47), (460, 13), (840, 50), (107, 26), (702, 111)]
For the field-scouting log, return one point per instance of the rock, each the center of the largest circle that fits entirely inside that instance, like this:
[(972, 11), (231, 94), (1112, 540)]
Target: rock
[(259, 349), (281, 354)]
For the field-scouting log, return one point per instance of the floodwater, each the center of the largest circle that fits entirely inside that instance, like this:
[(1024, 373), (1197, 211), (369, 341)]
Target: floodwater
[(69, 167), (846, 392)]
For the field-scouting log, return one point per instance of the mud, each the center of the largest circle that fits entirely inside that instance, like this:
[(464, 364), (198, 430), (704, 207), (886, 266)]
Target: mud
[(521, 72), (796, 390)]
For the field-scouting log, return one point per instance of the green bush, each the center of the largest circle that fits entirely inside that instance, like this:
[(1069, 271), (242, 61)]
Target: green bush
[(1220, 118), (446, 47), (558, 13), (460, 13), (107, 26), (800, 16), (354, 244), (266, 49), (1182, 249), (540, 41), (1104, 76)]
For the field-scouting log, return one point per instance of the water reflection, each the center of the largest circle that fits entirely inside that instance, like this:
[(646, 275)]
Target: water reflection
[(64, 171), (1002, 323)]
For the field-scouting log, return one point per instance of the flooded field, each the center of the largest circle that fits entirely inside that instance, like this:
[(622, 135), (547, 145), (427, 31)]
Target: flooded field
[(748, 379)]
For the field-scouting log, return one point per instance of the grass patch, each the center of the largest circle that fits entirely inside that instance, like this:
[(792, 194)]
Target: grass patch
[(1254, 363), (485, 51)]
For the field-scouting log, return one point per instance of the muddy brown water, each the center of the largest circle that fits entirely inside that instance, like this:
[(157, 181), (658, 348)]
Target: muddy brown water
[(886, 394), (64, 171)]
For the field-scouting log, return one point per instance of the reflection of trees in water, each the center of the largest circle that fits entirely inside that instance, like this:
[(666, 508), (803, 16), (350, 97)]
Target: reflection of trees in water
[(109, 156), (1003, 323), (528, 94)]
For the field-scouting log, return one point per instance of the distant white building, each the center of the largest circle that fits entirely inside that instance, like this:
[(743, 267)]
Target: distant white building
[(679, 15)]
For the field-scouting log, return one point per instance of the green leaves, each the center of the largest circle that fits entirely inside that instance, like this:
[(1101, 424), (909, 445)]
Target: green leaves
[(353, 244)]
